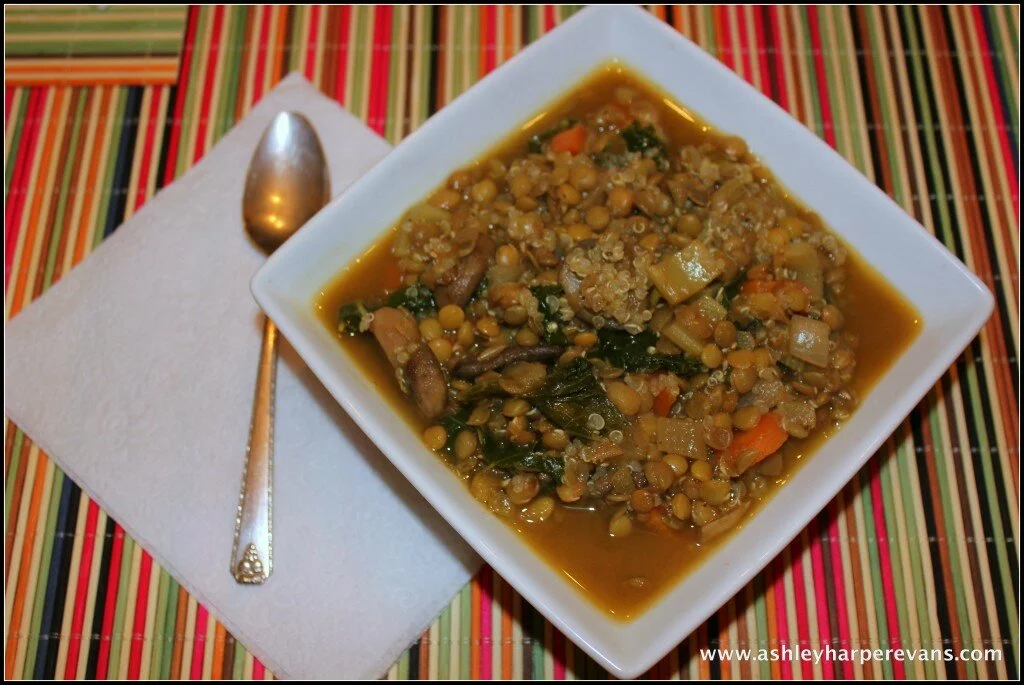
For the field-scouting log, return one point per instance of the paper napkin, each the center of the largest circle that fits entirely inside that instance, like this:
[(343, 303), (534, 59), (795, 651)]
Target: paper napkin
[(135, 373)]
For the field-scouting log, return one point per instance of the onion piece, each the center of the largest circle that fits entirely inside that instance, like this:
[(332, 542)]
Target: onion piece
[(723, 525), (681, 436), (803, 258), (682, 274), (808, 340)]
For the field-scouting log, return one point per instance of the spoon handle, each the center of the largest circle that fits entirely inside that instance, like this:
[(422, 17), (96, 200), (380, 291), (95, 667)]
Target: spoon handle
[(252, 558)]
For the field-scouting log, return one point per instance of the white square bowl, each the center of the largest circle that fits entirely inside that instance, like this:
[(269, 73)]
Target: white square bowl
[(952, 301)]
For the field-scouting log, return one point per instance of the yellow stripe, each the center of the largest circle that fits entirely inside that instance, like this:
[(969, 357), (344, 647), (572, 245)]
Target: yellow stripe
[(218, 77), (88, 37), (71, 591), (211, 634), (140, 138), (128, 627), (148, 641), (188, 641), (197, 100), (249, 77)]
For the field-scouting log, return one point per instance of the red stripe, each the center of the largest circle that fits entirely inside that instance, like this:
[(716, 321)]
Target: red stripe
[(380, 68), (147, 149), (81, 593), (819, 70), (141, 606), (781, 620), (721, 17), (314, 28), (803, 632), (18, 194), (820, 596), (344, 25), (490, 45), (885, 565), (257, 669), (1002, 130), (182, 88), (261, 54), (113, 576), (8, 102), (199, 644), (839, 586), (743, 43), (762, 53), (780, 73), (486, 597), (207, 84), (549, 17)]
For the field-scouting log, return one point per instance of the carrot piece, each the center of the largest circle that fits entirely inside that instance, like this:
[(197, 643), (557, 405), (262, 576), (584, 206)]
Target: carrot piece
[(759, 286), (765, 439), (663, 402), (570, 140), (656, 521), (771, 286)]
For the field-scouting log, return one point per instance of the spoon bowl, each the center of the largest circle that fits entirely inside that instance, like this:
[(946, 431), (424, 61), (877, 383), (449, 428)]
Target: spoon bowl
[(287, 183)]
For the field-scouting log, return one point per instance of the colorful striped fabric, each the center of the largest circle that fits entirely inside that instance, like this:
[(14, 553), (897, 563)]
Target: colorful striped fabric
[(93, 44), (920, 550)]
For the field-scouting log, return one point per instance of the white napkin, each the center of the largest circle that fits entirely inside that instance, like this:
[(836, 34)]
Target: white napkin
[(135, 373)]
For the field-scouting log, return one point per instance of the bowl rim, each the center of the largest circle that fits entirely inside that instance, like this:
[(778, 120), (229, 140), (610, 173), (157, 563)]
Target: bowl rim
[(610, 642)]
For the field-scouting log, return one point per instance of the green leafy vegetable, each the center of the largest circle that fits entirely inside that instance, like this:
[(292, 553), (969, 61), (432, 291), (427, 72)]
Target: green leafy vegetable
[(644, 140), (731, 289), (416, 298), (499, 453), (553, 333), (573, 399), (632, 352), (536, 143)]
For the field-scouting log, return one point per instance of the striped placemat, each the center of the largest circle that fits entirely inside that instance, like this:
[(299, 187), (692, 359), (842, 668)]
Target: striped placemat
[(919, 551), (92, 44)]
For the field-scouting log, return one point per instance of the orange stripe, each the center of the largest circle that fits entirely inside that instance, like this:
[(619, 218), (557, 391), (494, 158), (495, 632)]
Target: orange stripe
[(98, 154), (20, 593), (64, 66), (33, 222), (506, 631), (279, 42), (218, 652)]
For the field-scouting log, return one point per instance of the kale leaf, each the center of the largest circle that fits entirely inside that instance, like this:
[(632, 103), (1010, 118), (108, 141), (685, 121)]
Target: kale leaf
[(644, 140), (631, 352), (571, 396), (416, 298), (500, 454)]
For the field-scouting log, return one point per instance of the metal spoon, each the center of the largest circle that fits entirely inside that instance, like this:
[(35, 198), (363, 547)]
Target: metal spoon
[(287, 183)]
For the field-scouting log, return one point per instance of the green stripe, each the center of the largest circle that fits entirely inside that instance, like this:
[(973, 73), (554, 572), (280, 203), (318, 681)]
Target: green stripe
[(159, 636), (110, 159), (48, 525), (120, 609), (394, 110), (51, 48), (12, 471), (115, 27), (916, 545), (466, 623), (238, 669), (761, 620), (195, 80), (234, 25), (65, 194), (444, 636), (18, 115)]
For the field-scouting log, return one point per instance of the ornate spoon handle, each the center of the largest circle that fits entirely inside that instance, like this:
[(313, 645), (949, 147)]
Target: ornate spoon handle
[(252, 558)]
